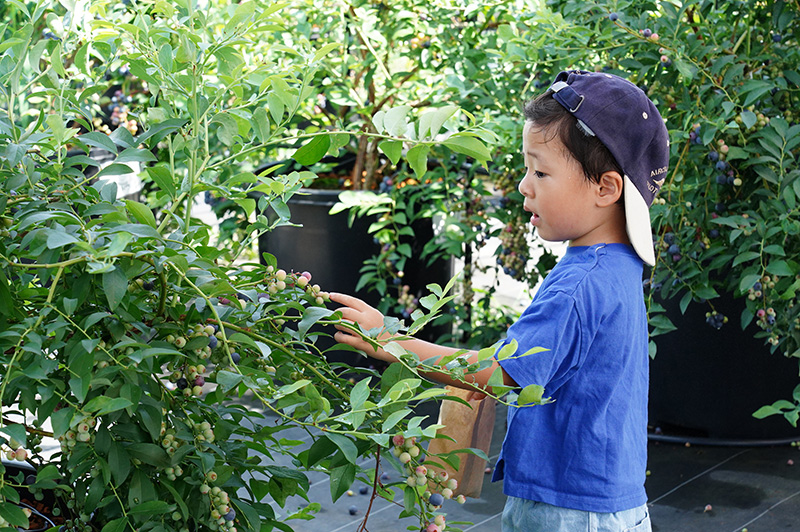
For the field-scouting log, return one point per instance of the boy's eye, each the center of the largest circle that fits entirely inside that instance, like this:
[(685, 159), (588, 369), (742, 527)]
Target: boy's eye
[(538, 174)]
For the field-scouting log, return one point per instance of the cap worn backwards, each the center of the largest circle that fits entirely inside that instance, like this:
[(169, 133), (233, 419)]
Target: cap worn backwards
[(624, 119)]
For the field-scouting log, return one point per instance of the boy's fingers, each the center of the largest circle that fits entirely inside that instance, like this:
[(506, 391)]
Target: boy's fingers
[(347, 300)]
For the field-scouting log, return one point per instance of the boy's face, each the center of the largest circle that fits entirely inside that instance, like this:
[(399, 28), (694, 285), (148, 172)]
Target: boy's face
[(560, 198)]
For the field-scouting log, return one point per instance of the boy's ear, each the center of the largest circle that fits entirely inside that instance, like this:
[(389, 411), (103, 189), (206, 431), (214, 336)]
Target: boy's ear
[(609, 188)]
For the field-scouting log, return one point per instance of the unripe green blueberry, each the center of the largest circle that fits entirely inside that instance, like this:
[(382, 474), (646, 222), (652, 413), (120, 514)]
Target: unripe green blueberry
[(447, 493), (404, 458), (180, 342), (204, 488), (84, 436), (280, 285), (414, 451), (212, 477), (280, 275), (411, 481)]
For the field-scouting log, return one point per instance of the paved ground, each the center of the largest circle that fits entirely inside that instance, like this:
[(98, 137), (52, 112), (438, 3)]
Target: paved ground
[(692, 488)]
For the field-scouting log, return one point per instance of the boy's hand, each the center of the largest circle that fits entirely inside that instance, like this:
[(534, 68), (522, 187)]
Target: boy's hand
[(360, 313)]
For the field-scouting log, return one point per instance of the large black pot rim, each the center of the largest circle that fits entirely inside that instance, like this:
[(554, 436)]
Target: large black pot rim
[(720, 442)]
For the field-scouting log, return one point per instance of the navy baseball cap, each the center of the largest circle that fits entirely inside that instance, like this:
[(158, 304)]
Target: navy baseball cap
[(624, 119)]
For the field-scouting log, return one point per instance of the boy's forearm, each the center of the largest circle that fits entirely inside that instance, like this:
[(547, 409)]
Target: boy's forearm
[(431, 353)]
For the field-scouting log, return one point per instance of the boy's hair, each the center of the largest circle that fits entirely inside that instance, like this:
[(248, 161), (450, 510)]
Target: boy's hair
[(593, 156)]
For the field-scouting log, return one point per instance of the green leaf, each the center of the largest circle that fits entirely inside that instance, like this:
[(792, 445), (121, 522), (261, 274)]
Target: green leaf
[(115, 285), (311, 316), (346, 445), (150, 508), (17, 434), (261, 124), (393, 149), (59, 238), (531, 395), (779, 267), (393, 419), (469, 146), (102, 405), (431, 121), (162, 177), (418, 159), (313, 151), (342, 478), (98, 140), (360, 393), (116, 525), (394, 121), (14, 515), (749, 119), (228, 380), (141, 212), (165, 56)]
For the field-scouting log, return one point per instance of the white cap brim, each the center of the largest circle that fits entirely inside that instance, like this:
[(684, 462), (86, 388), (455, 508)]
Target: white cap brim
[(637, 223)]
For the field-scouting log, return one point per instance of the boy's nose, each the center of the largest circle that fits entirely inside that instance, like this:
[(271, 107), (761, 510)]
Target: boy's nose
[(525, 188)]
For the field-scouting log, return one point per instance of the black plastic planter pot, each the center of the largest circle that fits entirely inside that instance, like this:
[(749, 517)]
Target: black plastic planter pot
[(333, 252), (706, 383)]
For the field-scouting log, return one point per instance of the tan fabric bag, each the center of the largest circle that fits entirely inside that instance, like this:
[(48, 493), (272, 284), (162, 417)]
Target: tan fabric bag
[(470, 428)]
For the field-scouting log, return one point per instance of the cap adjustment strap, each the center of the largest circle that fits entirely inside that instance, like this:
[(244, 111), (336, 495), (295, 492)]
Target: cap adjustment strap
[(567, 95)]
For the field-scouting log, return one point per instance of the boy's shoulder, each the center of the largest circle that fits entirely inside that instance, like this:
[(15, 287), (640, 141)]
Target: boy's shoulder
[(603, 267)]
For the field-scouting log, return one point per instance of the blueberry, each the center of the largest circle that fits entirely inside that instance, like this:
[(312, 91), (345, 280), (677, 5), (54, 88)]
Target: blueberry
[(436, 499), (721, 166), (714, 156), (236, 357), (647, 33), (613, 17), (182, 383), (722, 179), (776, 37), (148, 285), (669, 238), (231, 515), (714, 233), (673, 249), (757, 286), (363, 490), (353, 510), (212, 342), (771, 320)]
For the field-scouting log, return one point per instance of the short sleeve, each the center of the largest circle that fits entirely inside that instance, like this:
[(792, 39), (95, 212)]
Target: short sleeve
[(551, 322)]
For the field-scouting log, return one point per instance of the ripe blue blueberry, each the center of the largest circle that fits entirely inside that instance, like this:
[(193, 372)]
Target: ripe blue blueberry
[(613, 17), (148, 285), (647, 33), (673, 249), (353, 510), (714, 156), (182, 383), (212, 342), (236, 357), (714, 233), (776, 37), (721, 166), (722, 179), (436, 499), (669, 238), (231, 515), (363, 490)]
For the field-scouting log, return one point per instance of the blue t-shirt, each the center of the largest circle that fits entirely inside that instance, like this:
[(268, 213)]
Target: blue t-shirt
[(588, 449)]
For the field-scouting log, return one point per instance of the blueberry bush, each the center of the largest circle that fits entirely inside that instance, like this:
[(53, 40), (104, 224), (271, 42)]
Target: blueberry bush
[(147, 373)]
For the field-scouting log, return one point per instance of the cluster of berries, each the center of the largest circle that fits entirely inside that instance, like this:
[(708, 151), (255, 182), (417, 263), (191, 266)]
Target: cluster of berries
[(756, 292), (81, 432), (224, 517), (279, 280), (407, 301), (437, 485), (19, 454), (716, 319), (513, 249)]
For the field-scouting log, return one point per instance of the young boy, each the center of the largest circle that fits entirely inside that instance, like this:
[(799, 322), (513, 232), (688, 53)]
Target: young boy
[(596, 152)]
